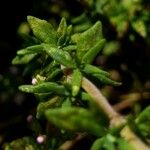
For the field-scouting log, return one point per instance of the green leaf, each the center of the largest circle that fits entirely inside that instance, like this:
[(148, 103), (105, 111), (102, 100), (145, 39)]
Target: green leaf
[(100, 116), (111, 48), (50, 67), (23, 59), (124, 145), (97, 145), (69, 32), (80, 19), (25, 143), (76, 82), (30, 50), (75, 119), (139, 27), (62, 32), (60, 56), (143, 122), (81, 23), (42, 106), (85, 96), (53, 74), (88, 39), (66, 103), (106, 80), (133, 126), (92, 53), (45, 87), (105, 143), (109, 142), (62, 40), (43, 30), (70, 48), (62, 28), (90, 69)]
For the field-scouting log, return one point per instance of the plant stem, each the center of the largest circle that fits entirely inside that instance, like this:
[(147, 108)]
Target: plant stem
[(102, 103), (70, 143), (129, 99), (133, 139), (115, 118)]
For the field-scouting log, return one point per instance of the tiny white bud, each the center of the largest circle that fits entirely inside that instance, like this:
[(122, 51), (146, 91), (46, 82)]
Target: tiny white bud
[(29, 118), (41, 139), (34, 81)]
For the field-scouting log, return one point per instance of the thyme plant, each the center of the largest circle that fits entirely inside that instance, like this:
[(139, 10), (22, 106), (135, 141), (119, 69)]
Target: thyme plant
[(67, 87)]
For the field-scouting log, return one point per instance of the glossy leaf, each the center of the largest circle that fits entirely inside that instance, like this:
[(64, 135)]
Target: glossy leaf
[(45, 87), (75, 119), (43, 30)]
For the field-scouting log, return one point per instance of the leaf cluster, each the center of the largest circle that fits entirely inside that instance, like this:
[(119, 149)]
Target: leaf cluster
[(62, 59)]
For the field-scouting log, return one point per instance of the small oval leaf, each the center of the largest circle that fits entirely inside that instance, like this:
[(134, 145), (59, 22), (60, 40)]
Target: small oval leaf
[(23, 59), (90, 69), (92, 53), (60, 56), (45, 87), (106, 80), (76, 81), (30, 50), (43, 30)]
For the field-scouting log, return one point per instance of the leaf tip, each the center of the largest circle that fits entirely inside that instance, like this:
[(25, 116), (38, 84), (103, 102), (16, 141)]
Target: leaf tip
[(30, 17), (75, 90)]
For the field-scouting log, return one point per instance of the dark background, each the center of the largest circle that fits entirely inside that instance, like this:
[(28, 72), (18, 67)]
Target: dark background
[(13, 107), (11, 14)]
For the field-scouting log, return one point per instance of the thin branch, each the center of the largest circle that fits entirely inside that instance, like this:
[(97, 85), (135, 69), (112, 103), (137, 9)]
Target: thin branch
[(129, 99), (115, 118), (70, 143), (101, 101), (133, 139)]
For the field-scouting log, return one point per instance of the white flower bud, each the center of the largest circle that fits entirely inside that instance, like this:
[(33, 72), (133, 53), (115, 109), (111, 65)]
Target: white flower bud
[(41, 139), (34, 81)]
